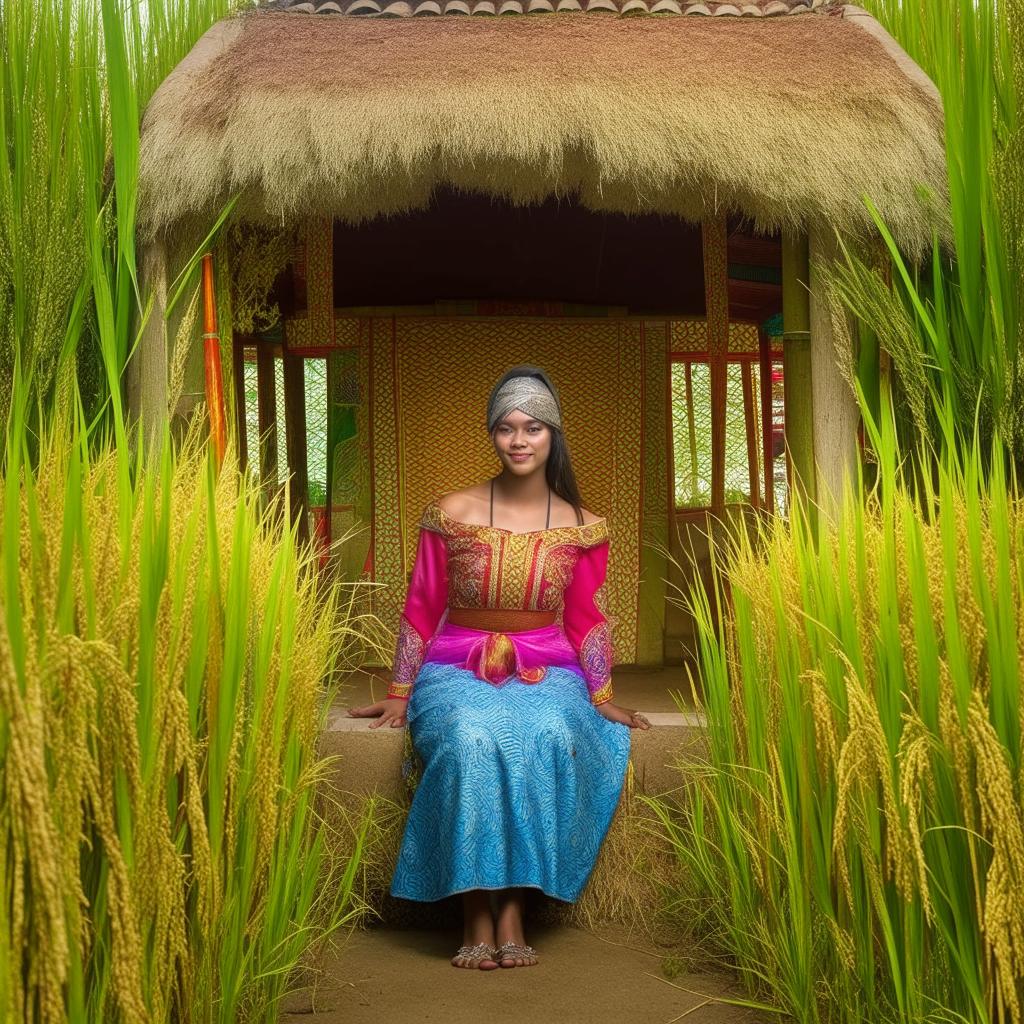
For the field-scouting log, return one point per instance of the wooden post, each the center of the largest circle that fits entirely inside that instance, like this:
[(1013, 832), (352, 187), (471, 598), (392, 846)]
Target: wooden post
[(691, 431), (750, 422), (796, 365), (836, 415), (714, 235), (238, 344), (764, 361), (266, 405)]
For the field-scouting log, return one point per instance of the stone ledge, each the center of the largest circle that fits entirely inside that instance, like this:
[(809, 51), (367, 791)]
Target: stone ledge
[(371, 759), (339, 721)]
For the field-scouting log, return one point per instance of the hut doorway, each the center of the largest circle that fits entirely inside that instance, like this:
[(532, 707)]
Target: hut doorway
[(664, 338)]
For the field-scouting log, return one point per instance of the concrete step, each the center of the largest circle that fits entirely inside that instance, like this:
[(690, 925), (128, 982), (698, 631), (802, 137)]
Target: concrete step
[(403, 976), (371, 759)]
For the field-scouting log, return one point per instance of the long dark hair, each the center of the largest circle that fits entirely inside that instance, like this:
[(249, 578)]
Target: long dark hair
[(559, 471)]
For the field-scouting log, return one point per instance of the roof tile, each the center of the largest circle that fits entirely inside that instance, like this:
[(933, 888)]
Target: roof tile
[(410, 8)]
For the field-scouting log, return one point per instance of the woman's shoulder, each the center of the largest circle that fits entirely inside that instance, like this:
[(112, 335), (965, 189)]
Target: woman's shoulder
[(464, 504), (447, 511)]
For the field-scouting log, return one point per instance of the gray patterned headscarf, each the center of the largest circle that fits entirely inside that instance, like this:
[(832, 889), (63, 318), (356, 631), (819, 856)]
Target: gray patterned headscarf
[(528, 388)]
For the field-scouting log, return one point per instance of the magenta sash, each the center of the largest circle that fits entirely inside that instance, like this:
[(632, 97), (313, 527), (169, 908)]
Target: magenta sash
[(534, 651)]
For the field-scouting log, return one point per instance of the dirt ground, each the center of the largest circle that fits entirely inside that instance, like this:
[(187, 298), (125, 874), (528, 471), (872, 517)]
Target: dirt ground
[(403, 977)]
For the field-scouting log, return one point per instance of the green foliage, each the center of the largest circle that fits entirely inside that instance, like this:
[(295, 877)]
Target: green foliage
[(74, 77), (163, 658), (855, 842), (955, 329)]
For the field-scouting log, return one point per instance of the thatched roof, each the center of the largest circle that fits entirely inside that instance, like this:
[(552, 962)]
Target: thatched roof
[(780, 110)]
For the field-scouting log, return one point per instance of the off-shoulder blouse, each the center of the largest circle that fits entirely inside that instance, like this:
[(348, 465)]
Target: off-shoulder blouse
[(468, 565)]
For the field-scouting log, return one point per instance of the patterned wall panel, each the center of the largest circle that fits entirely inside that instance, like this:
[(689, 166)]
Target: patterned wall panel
[(388, 557), (743, 337), (716, 301), (690, 335)]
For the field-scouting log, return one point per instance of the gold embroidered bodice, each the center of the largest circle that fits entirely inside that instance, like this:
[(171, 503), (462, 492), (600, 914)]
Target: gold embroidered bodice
[(491, 567)]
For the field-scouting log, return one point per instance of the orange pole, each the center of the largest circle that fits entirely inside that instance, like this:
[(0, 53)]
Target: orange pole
[(211, 360)]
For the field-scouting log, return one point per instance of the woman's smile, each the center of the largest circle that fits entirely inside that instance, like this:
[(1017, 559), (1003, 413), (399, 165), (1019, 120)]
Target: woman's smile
[(519, 456)]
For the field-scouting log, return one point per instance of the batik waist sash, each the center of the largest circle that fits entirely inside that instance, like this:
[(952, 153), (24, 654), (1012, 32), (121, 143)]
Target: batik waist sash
[(495, 655)]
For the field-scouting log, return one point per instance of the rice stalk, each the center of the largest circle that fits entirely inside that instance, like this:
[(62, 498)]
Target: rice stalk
[(857, 830)]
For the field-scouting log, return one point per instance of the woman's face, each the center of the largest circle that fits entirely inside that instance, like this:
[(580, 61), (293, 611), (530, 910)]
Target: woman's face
[(522, 443)]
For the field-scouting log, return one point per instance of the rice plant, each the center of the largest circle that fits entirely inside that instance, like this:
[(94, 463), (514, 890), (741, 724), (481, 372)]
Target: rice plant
[(856, 838), (855, 842), (162, 664), (74, 79)]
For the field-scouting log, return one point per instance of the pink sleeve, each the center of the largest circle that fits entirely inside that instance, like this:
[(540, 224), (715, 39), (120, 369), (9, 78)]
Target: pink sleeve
[(585, 624), (425, 603)]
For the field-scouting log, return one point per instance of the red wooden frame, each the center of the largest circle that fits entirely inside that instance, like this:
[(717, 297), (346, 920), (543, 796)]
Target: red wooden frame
[(765, 358)]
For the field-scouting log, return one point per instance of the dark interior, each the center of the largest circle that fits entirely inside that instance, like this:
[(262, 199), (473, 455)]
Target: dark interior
[(472, 246), (469, 246)]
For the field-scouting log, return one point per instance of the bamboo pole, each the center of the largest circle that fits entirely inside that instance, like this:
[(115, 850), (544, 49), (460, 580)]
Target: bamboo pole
[(211, 362), (750, 424), (266, 406), (147, 370), (238, 346), (691, 432), (295, 440)]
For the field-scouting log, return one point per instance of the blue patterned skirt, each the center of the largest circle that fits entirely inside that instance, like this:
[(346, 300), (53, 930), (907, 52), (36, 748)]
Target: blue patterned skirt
[(518, 788)]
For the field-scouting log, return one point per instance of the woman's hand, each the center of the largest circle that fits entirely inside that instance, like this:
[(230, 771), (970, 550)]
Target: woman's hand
[(627, 716), (389, 712)]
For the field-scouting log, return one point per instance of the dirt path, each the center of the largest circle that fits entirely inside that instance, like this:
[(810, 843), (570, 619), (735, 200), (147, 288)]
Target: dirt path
[(391, 976)]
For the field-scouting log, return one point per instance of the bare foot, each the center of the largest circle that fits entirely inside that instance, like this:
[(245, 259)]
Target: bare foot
[(515, 954), (513, 951), (477, 951), (478, 957)]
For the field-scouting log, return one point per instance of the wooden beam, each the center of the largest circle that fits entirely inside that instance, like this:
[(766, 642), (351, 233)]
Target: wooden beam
[(836, 415), (750, 427), (691, 432), (238, 344), (796, 365), (764, 353)]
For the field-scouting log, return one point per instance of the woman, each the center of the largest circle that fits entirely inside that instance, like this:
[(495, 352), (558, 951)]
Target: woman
[(508, 696)]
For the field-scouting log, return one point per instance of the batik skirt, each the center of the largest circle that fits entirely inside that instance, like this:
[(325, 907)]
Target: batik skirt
[(518, 786)]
